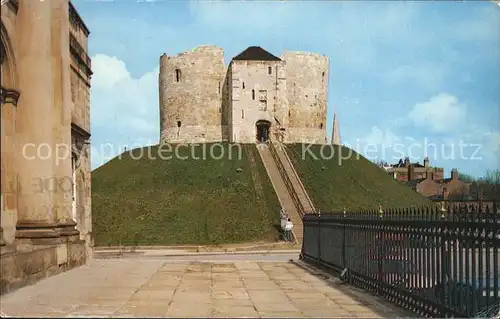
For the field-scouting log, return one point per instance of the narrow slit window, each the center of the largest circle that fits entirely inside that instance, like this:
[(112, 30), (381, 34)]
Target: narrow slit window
[(321, 125), (253, 94), (243, 85), (270, 70), (219, 87), (177, 75), (242, 114)]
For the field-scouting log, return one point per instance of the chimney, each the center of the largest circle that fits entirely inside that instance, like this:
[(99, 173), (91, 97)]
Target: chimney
[(445, 193), (407, 162), (426, 162), (430, 174), (454, 173), (411, 173)]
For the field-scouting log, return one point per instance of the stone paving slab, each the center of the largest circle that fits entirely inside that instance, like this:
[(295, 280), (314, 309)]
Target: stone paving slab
[(159, 288)]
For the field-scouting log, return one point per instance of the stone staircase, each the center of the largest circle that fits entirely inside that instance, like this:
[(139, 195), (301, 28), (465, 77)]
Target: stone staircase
[(286, 184), (298, 187)]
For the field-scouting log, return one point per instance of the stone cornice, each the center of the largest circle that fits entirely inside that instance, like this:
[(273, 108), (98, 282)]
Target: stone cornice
[(77, 72), (10, 96), (75, 17), (79, 131), (79, 53)]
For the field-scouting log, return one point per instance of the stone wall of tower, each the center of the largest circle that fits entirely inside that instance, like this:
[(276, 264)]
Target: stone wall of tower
[(256, 96), (307, 85), (191, 93)]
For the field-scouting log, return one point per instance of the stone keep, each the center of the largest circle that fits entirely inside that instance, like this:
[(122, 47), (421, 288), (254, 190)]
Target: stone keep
[(203, 100)]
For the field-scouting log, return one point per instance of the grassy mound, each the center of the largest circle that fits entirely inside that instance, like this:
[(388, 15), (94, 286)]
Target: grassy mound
[(195, 200), (348, 180)]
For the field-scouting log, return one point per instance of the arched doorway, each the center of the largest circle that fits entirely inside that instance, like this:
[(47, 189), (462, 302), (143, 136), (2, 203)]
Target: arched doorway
[(263, 129)]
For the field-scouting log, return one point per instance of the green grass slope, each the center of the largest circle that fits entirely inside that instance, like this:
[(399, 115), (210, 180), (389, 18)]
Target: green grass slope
[(184, 201), (348, 181)]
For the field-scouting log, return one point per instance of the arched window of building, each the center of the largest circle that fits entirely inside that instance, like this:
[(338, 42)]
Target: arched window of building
[(179, 123), (253, 94), (177, 75)]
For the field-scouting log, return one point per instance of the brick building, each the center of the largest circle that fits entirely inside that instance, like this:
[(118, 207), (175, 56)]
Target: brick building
[(406, 171), (430, 186), (426, 180)]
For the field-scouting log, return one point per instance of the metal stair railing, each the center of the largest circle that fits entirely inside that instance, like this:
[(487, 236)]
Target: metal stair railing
[(302, 188), (281, 169)]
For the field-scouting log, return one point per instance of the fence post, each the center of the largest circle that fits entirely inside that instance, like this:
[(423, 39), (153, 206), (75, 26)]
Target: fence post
[(319, 237), (445, 255), (343, 240), (380, 253)]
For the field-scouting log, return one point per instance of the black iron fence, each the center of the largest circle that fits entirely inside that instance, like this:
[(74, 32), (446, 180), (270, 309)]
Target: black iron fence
[(435, 263)]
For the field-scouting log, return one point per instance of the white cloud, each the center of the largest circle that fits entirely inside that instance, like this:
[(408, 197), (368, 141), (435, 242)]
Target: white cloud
[(108, 71), (441, 113), (378, 136), (125, 110)]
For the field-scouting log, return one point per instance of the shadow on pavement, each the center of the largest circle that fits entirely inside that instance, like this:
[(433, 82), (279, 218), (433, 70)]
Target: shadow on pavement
[(377, 304)]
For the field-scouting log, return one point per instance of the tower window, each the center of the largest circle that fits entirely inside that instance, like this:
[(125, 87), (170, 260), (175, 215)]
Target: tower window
[(253, 94), (289, 114), (321, 125), (243, 85), (179, 123), (219, 87), (270, 70), (242, 114), (177, 75)]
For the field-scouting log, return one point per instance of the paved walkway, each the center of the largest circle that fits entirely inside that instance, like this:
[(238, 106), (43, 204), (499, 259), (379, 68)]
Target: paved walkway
[(136, 287)]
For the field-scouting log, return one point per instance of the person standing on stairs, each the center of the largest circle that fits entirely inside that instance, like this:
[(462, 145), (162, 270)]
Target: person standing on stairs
[(284, 219), (288, 230)]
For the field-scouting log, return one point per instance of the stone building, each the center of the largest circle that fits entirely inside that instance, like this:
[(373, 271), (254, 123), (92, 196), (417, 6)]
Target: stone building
[(257, 96), (45, 164), (406, 171)]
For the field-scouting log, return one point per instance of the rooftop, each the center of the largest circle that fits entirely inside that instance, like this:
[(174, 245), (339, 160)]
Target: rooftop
[(255, 53)]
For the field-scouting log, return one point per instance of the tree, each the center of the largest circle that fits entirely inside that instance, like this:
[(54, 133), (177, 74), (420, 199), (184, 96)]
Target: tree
[(492, 176), (466, 178)]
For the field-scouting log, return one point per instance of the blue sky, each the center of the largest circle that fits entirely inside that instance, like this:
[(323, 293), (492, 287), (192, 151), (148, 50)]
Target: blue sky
[(402, 74)]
